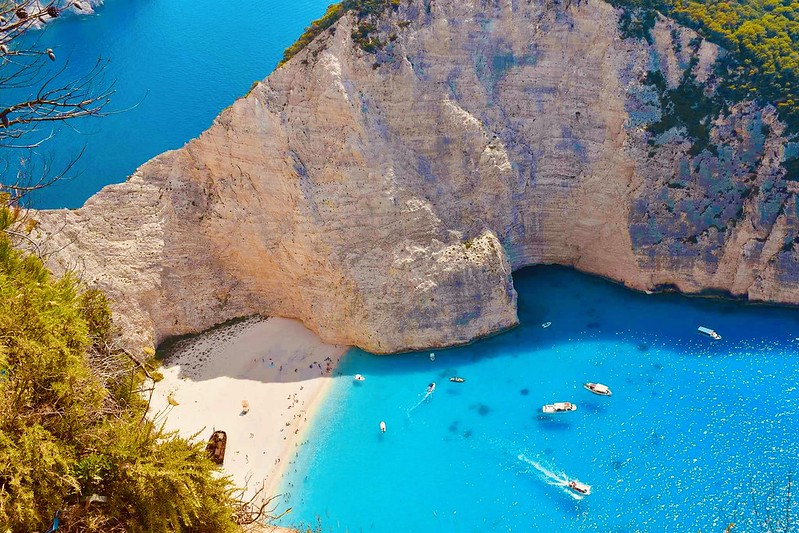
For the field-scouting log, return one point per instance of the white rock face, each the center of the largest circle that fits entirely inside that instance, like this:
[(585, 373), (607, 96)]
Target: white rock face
[(384, 199)]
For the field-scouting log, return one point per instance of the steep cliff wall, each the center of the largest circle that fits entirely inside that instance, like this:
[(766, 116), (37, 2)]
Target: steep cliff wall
[(384, 196)]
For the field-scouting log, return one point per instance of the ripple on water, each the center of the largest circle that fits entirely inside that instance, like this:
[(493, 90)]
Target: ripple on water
[(696, 435)]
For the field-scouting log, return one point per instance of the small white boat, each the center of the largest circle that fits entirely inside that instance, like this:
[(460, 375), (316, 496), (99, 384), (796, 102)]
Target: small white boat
[(359, 377), (382, 426), (431, 387), (709, 332), (546, 324), (559, 407), (580, 488), (457, 379), (598, 388)]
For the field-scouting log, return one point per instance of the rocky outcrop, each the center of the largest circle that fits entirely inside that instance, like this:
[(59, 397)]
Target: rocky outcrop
[(72, 7), (384, 197)]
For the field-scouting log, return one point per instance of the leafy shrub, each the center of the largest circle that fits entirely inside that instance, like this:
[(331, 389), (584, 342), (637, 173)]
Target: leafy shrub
[(72, 421), (363, 9), (762, 35)]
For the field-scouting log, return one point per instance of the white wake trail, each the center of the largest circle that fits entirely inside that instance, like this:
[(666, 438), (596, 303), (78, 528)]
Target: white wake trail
[(556, 479), (425, 398)]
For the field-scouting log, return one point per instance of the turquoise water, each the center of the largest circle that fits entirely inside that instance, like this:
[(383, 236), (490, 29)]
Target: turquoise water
[(698, 433), (175, 63)]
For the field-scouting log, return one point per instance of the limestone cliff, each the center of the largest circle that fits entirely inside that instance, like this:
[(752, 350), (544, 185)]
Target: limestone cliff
[(384, 196)]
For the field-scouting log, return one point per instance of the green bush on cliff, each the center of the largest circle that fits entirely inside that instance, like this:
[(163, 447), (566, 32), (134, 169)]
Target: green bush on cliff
[(762, 35), (72, 421), (331, 16), (361, 35)]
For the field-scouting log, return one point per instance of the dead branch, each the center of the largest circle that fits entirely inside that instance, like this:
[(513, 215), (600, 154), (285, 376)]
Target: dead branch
[(37, 90), (256, 509)]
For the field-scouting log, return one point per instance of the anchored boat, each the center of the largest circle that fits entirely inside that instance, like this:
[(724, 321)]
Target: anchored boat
[(709, 332), (598, 388), (457, 379), (559, 407)]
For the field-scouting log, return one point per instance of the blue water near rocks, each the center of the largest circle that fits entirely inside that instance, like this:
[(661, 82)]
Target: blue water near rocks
[(175, 64), (698, 433)]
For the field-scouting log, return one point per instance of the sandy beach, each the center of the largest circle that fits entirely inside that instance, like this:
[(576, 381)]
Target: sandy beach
[(259, 381)]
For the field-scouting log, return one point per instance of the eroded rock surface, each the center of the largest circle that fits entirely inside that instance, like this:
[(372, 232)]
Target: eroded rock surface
[(384, 198)]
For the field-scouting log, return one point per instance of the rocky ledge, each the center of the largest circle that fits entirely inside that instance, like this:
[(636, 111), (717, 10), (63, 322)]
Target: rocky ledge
[(383, 189)]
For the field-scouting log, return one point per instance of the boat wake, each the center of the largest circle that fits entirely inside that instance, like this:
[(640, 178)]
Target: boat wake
[(550, 477), (425, 398)]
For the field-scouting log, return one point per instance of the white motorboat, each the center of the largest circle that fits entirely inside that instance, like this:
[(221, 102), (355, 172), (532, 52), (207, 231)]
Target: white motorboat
[(709, 332), (598, 388), (559, 407), (580, 488), (359, 377)]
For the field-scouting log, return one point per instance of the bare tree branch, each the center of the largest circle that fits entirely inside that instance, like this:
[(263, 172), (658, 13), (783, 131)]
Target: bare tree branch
[(37, 90)]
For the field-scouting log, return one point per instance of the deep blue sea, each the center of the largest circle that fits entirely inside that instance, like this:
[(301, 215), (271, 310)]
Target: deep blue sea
[(175, 64), (697, 435)]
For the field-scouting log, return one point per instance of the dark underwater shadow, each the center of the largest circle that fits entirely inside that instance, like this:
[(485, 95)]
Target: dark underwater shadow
[(551, 423)]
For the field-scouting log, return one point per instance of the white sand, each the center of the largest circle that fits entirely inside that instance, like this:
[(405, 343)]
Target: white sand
[(280, 368)]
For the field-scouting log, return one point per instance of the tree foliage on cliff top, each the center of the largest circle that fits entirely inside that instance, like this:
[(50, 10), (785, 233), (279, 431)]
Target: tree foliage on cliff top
[(362, 9), (72, 421), (762, 35)]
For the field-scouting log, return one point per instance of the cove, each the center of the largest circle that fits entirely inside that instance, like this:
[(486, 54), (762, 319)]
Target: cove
[(175, 65), (698, 433)]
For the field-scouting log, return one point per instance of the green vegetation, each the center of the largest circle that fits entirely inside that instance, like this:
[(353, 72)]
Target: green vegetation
[(363, 34), (331, 16), (686, 106), (763, 36), (72, 419)]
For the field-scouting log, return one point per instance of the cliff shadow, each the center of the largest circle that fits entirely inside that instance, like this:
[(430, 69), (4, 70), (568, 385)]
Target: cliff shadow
[(268, 350), (557, 306)]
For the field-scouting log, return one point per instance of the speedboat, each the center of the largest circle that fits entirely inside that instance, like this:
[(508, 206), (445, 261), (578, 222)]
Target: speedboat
[(559, 407), (598, 388), (457, 379), (709, 332), (359, 377), (579, 487), (431, 387), (546, 324)]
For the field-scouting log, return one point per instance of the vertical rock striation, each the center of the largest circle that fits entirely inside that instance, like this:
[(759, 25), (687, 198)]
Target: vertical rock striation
[(384, 197)]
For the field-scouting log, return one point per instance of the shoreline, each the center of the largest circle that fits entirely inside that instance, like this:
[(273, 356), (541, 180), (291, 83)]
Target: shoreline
[(261, 381), (310, 413)]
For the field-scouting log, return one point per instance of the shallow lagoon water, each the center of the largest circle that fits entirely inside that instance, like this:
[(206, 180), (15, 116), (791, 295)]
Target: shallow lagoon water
[(698, 433)]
